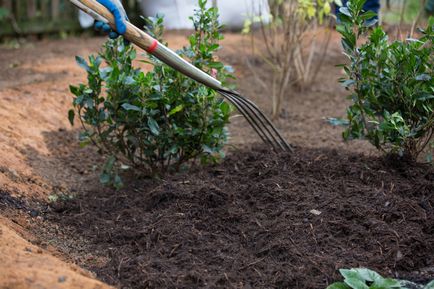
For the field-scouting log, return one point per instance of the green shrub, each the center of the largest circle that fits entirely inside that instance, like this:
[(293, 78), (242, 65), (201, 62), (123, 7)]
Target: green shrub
[(362, 278), (392, 84), (156, 121)]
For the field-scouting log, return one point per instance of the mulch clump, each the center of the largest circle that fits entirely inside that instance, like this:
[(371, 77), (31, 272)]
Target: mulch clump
[(258, 220)]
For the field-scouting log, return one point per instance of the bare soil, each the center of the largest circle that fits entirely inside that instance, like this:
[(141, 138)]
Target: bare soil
[(258, 220), (25, 265), (250, 223)]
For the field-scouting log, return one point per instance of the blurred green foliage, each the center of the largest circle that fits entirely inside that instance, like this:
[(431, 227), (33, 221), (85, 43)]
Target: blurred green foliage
[(393, 15), (391, 84)]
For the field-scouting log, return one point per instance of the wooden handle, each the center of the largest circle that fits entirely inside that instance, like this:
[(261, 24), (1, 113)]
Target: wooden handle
[(151, 45), (133, 34)]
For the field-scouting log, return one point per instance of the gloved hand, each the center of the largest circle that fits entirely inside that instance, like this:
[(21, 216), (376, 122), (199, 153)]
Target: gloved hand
[(115, 7)]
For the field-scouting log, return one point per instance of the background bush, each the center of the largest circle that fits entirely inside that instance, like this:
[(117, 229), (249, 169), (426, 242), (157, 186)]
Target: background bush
[(392, 84), (153, 121), (292, 41)]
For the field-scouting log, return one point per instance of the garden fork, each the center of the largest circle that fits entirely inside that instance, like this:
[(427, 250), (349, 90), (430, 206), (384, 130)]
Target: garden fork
[(255, 117)]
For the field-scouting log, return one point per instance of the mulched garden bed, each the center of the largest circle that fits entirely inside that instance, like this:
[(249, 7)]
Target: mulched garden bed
[(258, 220)]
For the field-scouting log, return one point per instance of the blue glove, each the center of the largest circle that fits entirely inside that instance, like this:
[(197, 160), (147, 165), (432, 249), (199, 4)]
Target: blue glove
[(115, 7)]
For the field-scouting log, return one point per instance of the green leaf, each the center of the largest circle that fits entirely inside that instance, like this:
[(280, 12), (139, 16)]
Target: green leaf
[(368, 275), (353, 279), (153, 126), (216, 65), (386, 283), (338, 285), (108, 166), (74, 90), (368, 15), (176, 110), (377, 35), (342, 29), (71, 116), (118, 182), (423, 77), (207, 149), (128, 106), (104, 178), (370, 22), (105, 72), (348, 273), (345, 11), (356, 283), (82, 63), (430, 285), (129, 80), (425, 96), (213, 47), (348, 83), (89, 103), (225, 108)]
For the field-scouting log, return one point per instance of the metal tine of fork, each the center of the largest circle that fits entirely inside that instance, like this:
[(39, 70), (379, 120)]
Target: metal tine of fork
[(256, 121), (250, 119), (260, 124), (261, 121), (283, 143), (265, 123), (254, 110)]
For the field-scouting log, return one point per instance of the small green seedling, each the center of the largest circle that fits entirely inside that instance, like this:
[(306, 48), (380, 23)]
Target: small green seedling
[(362, 278)]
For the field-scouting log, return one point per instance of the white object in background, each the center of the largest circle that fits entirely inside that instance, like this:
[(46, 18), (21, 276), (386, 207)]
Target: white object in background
[(85, 20), (233, 13), (176, 12)]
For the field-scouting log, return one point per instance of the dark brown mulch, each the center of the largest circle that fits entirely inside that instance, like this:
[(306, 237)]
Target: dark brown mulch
[(248, 223)]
